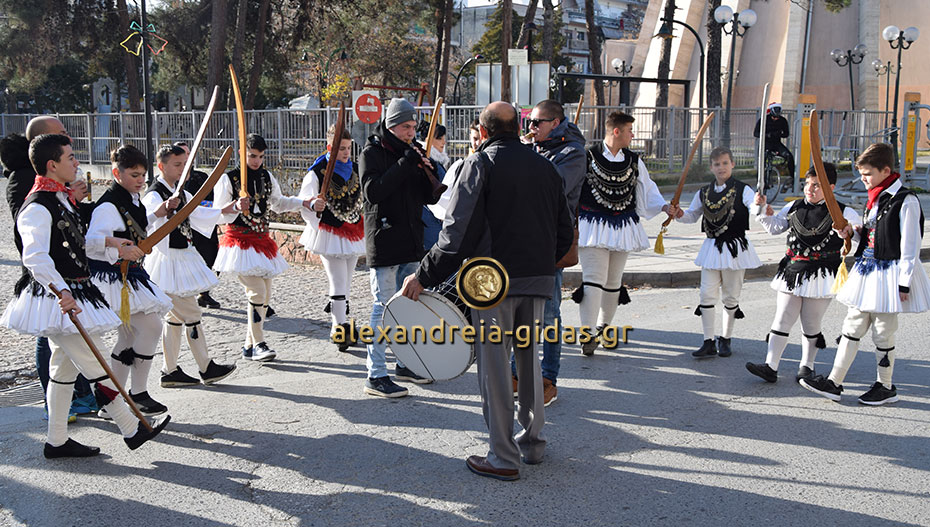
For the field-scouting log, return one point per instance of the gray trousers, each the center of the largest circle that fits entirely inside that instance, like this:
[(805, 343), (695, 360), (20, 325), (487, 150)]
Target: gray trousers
[(494, 381)]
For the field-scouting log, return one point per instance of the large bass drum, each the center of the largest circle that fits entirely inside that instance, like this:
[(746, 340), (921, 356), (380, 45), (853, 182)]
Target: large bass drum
[(446, 359)]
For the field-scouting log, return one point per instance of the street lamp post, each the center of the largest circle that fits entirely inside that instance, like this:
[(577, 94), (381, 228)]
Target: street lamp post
[(623, 70), (530, 27), (848, 58), (887, 70), (899, 40), (455, 87), (666, 32), (745, 20)]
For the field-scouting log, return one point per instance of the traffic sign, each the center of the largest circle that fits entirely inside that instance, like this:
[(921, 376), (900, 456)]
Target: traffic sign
[(368, 108)]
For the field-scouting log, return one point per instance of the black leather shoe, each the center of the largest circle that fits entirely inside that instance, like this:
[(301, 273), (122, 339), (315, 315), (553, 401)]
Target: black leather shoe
[(71, 448), (805, 373), (142, 433), (763, 371), (708, 349), (723, 347), (205, 300)]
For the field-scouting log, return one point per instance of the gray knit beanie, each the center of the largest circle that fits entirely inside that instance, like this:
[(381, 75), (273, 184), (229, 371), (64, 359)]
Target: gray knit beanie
[(399, 111)]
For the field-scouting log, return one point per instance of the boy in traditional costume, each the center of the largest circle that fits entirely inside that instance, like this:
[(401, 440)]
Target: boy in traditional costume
[(805, 276), (49, 234), (179, 270), (246, 248), (140, 303), (338, 234), (887, 278)]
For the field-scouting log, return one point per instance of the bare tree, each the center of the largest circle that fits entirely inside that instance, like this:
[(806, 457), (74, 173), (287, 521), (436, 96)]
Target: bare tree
[(548, 14), (259, 56), (446, 50), (712, 75), (216, 66), (594, 48), (665, 58), (241, 17), (528, 18), (506, 44), (129, 61)]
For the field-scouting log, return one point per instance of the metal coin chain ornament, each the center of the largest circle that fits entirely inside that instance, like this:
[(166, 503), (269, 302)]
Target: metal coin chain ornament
[(482, 283)]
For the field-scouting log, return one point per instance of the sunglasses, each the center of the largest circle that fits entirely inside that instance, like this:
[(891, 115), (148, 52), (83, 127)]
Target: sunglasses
[(535, 122)]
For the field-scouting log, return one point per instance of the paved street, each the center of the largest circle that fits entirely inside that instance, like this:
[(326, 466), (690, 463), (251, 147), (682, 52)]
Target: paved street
[(644, 435)]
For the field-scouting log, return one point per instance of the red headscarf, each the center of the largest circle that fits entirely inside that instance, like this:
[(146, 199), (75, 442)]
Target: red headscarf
[(875, 191), (47, 184)]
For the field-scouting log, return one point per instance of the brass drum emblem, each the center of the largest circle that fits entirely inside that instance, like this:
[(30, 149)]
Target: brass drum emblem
[(482, 283)]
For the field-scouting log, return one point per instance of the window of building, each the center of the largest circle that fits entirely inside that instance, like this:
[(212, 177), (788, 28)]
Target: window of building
[(580, 35)]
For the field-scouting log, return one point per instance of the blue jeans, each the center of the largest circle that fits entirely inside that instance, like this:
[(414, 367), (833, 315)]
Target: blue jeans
[(385, 281), (552, 351)]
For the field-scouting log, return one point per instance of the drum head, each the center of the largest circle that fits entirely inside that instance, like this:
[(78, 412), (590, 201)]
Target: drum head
[(445, 357)]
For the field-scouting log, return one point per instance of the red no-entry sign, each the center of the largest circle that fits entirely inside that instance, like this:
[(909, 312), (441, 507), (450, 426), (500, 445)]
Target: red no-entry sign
[(368, 108)]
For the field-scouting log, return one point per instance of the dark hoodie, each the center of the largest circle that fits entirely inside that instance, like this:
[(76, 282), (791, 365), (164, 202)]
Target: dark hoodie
[(565, 148), (14, 154), (394, 189)]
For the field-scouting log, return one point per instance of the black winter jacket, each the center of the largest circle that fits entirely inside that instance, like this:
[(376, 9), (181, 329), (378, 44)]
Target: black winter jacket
[(394, 190), (508, 204), (16, 166)]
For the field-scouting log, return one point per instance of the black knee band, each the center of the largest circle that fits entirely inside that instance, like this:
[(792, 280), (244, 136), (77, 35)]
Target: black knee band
[(194, 334), (779, 333), (127, 356), (847, 337), (739, 312), (176, 324), (821, 341), (59, 382), (697, 310), (98, 379), (255, 316)]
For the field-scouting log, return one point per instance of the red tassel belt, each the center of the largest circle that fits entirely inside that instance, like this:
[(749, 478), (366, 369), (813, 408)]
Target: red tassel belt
[(350, 231), (236, 236)]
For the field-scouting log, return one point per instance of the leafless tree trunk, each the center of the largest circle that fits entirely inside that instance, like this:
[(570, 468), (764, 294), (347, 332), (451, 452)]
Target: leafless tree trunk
[(129, 62), (665, 58), (506, 44), (216, 66), (241, 17), (441, 86), (548, 13), (440, 36), (259, 57), (529, 17), (594, 48), (712, 88)]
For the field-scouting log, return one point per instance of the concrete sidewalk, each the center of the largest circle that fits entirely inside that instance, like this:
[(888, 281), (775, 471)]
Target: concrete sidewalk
[(683, 241)]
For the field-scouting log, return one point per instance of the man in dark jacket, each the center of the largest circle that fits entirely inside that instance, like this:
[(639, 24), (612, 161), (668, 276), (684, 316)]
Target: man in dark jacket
[(776, 129), (562, 143), (507, 204), (395, 189)]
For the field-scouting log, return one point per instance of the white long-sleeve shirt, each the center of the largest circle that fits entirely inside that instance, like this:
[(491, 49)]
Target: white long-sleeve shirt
[(910, 233), (778, 223), (106, 220), (696, 208), (278, 202), (649, 200), (203, 219)]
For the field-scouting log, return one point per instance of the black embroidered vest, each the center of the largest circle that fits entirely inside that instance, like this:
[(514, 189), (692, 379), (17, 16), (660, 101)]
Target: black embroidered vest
[(66, 249), (259, 188), (343, 199), (887, 226), (813, 246), (608, 193), (180, 237), (134, 217), (725, 218)]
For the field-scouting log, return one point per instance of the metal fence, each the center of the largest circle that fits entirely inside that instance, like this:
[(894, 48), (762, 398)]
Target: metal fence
[(296, 137)]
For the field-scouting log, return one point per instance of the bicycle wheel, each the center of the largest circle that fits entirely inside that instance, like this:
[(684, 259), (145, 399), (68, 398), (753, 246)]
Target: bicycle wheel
[(773, 183)]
